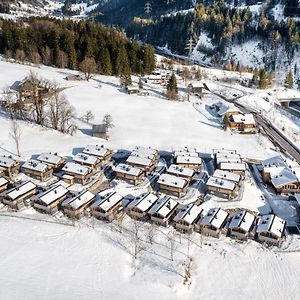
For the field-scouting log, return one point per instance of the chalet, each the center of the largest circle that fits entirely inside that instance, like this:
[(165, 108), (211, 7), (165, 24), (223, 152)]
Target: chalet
[(155, 79), (243, 123), (185, 153), (189, 162), (100, 131), (3, 184), (181, 172), (15, 198), (227, 158), (76, 173), (225, 175), (225, 111), (99, 151), (163, 211), (238, 168), (75, 207), (132, 90), (212, 223), (271, 167), (37, 170), (108, 207), (138, 208), (49, 201), (222, 188), (53, 160), (91, 161), (147, 164), (187, 217), (223, 151), (241, 225), (146, 152), (270, 230), (196, 88), (32, 88), (173, 185), (128, 173), (9, 166), (185, 150)]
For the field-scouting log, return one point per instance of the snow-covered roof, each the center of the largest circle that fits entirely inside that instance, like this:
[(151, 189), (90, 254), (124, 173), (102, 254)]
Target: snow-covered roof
[(233, 166), (20, 190), (271, 223), (108, 201), (79, 200), (188, 213), (145, 150), (96, 150), (189, 154), (274, 165), (188, 160), (35, 165), (228, 158), (127, 169), (6, 161), (215, 217), (197, 84), (227, 175), (242, 219), (224, 151), (86, 159), (223, 109), (137, 160), (49, 158), (75, 168), (221, 183), (185, 149), (177, 170), (286, 176), (247, 119), (163, 206), (3, 181), (143, 202), (52, 194), (171, 180)]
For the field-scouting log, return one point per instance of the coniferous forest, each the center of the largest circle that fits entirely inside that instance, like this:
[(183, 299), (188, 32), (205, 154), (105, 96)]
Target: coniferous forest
[(65, 44)]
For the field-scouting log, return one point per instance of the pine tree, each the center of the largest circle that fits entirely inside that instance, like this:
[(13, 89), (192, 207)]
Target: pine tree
[(122, 63), (105, 62), (289, 80), (263, 79), (149, 59), (172, 90)]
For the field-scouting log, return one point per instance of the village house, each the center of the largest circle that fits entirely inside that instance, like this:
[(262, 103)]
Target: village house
[(237, 168), (226, 110), (270, 230), (75, 207), (15, 197), (99, 151), (227, 158), (143, 163), (53, 160), (189, 162), (241, 225), (138, 208), (187, 217), (3, 184), (91, 161), (9, 166), (48, 202), (181, 172), (37, 170), (100, 131), (146, 152), (163, 211), (128, 173), (29, 89), (236, 178), (243, 123), (212, 223), (196, 88), (76, 173), (222, 188), (173, 185), (108, 207)]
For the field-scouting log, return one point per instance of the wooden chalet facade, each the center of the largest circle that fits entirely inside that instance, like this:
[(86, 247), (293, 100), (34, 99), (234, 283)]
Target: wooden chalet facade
[(3, 184), (101, 152), (173, 185), (243, 123), (76, 173), (179, 171), (108, 207), (75, 207), (37, 170), (49, 201), (15, 197), (190, 162), (91, 161), (9, 166), (128, 173)]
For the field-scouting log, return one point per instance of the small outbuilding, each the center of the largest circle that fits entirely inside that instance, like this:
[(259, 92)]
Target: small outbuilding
[(100, 131)]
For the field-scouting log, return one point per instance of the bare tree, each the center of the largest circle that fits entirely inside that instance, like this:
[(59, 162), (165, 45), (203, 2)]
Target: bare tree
[(35, 57), (151, 233), (172, 242), (88, 67), (187, 266), (20, 55), (135, 239), (15, 134), (62, 59), (186, 75), (88, 116), (108, 121)]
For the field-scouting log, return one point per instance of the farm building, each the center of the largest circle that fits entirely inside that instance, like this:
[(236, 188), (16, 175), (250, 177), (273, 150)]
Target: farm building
[(212, 223), (128, 173), (190, 162), (138, 208), (93, 162), (108, 207), (222, 188), (187, 217), (75, 207), (181, 172), (270, 230), (76, 173), (9, 166), (241, 225), (163, 211), (100, 131), (99, 151), (196, 88), (3, 184), (15, 197), (37, 170), (53, 160), (173, 185), (49, 201)]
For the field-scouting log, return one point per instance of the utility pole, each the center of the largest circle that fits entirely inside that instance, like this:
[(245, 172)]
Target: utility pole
[(190, 46), (148, 8)]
